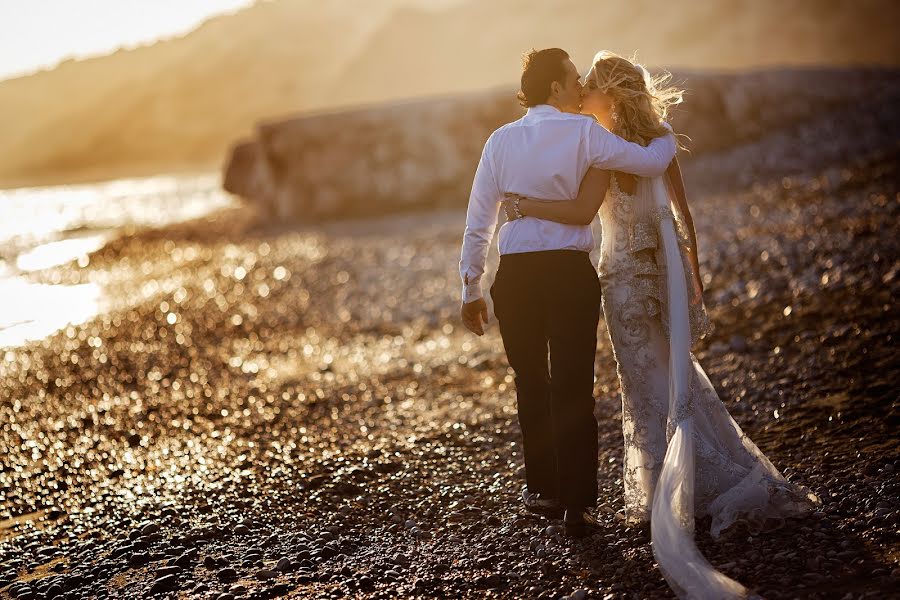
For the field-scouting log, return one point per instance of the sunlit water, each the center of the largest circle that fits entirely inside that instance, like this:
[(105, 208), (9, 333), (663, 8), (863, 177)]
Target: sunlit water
[(45, 227)]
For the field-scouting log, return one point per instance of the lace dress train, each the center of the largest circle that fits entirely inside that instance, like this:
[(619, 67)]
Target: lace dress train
[(685, 455)]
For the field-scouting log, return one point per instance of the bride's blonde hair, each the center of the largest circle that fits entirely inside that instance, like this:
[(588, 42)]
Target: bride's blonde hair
[(641, 102)]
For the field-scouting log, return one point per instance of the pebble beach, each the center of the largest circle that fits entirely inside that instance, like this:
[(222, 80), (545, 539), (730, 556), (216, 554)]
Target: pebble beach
[(276, 411)]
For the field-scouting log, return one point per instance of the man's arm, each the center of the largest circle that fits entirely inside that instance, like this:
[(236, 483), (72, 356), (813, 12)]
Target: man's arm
[(481, 220), (609, 151)]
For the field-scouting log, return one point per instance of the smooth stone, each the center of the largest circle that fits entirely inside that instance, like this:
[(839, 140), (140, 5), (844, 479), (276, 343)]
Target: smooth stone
[(138, 558), (553, 529), (265, 574), (54, 591), (284, 564), (164, 584), (173, 570), (401, 559), (186, 559), (227, 573)]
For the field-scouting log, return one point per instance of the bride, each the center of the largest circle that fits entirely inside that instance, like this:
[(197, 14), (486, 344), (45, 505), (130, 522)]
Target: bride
[(684, 454)]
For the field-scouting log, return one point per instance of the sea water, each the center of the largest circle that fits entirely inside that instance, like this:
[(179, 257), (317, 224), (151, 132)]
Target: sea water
[(46, 227)]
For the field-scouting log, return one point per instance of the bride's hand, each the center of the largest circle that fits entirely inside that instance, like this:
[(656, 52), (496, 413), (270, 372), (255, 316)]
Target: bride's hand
[(698, 290)]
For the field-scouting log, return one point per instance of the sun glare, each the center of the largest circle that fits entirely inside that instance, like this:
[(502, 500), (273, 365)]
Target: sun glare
[(38, 34)]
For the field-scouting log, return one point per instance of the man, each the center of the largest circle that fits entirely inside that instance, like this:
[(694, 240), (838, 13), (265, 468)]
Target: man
[(546, 292)]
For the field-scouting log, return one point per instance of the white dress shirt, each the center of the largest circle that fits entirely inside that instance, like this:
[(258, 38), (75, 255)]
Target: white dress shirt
[(545, 154)]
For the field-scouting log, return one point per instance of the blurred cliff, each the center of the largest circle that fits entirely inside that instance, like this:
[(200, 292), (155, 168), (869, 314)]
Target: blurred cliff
[(177, 105), (422, 154)]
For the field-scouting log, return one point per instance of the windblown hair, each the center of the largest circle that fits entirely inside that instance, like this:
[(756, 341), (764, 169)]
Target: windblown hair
[(540, 68), (642, 102)]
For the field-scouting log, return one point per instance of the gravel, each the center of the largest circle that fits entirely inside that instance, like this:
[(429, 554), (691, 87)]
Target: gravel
[(314, 405)]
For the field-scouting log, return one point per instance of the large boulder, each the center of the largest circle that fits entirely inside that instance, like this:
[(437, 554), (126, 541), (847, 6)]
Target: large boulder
[(422, 153)]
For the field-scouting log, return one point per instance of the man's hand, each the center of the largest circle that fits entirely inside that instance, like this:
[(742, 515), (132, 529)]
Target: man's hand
[(473, 314)]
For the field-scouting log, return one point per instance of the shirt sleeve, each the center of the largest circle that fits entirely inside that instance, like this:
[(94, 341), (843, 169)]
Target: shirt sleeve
[(481, 220), (609, 151)]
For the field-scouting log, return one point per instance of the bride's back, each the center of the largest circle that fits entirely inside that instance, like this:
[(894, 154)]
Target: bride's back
[(627, 182), (625, 235)]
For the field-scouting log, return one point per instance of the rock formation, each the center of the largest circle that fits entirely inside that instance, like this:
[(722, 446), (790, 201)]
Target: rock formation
[(423, 153)]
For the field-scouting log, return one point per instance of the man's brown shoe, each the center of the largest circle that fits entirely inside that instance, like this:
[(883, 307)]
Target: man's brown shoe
[(580, 523)]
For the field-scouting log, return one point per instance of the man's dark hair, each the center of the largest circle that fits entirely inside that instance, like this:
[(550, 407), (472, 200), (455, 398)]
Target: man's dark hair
[(540, 68)]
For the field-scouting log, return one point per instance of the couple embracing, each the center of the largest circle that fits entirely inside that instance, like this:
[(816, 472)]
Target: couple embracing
[(604, 145)]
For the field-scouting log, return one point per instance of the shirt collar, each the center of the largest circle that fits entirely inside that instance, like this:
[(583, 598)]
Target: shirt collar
[(542, 110)]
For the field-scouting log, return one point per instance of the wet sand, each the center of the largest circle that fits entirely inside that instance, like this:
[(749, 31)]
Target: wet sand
[(284, 412)]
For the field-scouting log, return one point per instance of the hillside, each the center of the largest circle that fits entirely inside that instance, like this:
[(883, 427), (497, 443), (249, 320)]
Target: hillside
[(477, 44), (179, 103)]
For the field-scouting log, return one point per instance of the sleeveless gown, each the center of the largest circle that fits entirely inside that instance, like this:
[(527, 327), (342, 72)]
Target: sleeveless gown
[(685, 456)]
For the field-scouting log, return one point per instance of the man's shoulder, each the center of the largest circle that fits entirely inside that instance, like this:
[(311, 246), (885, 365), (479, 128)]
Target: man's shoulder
[(499, 132), (566, 119)]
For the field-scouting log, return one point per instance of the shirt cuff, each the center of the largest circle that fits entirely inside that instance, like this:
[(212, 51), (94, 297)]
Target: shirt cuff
[(472, 291)]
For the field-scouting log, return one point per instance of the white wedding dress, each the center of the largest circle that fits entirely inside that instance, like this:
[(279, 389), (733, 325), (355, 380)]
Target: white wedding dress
[(684, 454)]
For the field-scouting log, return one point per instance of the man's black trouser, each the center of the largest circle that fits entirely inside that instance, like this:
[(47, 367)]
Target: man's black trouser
[(551, 301)]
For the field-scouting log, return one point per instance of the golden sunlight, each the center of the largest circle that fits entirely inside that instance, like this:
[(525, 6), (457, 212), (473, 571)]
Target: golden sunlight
[(38, 34), (285, 283)]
